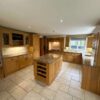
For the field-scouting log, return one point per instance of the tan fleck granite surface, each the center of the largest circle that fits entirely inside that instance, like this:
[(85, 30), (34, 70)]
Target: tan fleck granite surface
[(48, 58)]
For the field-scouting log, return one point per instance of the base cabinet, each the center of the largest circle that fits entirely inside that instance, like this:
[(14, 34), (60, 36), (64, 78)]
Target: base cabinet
[(13, 64), (1, 73), (47, 72), (10, 65), (91, 79), (22, 61), (72, 57)]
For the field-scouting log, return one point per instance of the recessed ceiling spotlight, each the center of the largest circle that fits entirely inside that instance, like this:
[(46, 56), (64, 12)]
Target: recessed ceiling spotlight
[(61, 21)]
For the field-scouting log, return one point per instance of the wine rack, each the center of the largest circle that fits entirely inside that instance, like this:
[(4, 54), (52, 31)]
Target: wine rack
[(41, 71)]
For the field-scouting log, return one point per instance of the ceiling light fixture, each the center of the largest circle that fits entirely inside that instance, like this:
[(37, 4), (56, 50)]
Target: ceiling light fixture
[(61, 21)]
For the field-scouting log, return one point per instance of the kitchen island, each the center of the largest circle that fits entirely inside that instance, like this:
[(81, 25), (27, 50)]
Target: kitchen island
[(47, 67)]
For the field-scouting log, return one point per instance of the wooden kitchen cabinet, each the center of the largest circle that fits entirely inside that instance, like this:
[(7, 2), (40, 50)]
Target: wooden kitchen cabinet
[(10, 65), (22, 60), (78, 58), (91, 78), (13, 64), (90, 40), (29, 59), (47, 67), (34, 48), (72, 57)]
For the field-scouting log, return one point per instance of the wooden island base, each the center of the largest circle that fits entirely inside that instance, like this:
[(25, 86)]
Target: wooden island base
[(47, 67)]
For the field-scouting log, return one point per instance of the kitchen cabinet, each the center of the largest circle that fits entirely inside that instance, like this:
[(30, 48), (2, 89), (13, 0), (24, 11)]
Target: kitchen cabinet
[(25, 60), (47, 67), (72, 57), (13, 64), (29, 59), (6, 38), (22, 60), (67, 41), (91, 78), (1, 73), (34, 48), (27, 39), (90, 41), (10, 65), (11, 37), (17, 39)]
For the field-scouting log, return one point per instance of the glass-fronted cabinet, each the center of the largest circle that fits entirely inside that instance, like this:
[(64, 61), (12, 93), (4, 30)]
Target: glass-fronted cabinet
[(6, 39), (27, 40), (17, 39)]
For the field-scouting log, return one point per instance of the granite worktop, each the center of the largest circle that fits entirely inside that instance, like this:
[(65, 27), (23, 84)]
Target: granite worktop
[(48, 58)]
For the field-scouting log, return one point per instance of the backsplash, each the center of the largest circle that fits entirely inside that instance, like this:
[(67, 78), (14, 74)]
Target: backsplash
[(10, 51)]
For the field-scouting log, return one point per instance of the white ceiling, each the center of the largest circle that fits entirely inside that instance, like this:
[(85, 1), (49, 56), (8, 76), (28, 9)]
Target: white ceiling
[(43, 16)]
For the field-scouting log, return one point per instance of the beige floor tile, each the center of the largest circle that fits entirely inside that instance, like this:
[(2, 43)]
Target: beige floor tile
[(33, 96), (74, 98), (11, 86), (5, 84), (27, 85), (62, 96), (91, 96), (77, 93), (75, 84), (4, 95), (18, 93), (17, 80), (48, 93), (54, 86), (38, 88), (64, 87), (11, 98)]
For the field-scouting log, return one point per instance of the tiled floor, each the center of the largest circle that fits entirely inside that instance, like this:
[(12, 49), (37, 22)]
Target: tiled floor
[(67, 86)]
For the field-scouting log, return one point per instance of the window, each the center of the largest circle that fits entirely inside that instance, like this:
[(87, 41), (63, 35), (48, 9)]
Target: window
[(78, 43)]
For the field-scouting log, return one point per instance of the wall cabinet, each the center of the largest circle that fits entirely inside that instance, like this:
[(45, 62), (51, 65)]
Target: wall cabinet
[(11, 37), (90, 40), (17, 39), (27, 39)]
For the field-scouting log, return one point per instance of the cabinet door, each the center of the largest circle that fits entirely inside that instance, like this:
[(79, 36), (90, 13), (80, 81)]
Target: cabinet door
[(6, 39), (10, 65), (78, 58), (36, 46), (27, 41), (22, 61), (29, 59)]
